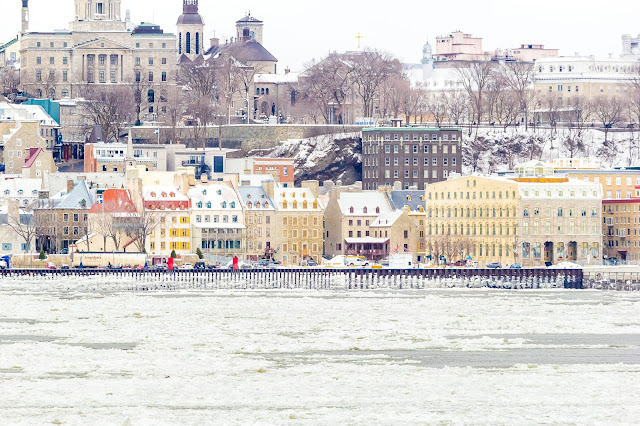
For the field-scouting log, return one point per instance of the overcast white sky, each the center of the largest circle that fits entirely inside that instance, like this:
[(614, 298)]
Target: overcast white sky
[(298, 31)]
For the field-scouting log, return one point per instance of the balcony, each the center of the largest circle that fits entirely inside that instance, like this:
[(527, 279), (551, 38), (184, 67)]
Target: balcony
[(199, 162)]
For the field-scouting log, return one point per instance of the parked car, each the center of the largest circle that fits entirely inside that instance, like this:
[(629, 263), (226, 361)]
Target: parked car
[(51, 266), (186, 267), (515, 266), (127, 267), (212, 267), (201, 266), (64, 251), (494, 265), (611, 261), (265, 263), (312, 262), (65, 267)]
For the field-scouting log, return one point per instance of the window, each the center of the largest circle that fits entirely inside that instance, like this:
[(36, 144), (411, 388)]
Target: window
[(150, 61), (151, 76), (164, 76)]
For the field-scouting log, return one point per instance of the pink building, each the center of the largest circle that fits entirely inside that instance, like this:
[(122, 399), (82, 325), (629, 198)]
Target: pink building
[(459, 46), (526, 53)]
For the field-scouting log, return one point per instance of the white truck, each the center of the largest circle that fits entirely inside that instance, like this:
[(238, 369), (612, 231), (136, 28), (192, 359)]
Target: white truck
[(357, 261), (401, 261)]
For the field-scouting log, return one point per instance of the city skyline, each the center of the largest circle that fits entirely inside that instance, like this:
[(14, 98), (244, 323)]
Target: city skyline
[(502, 26)]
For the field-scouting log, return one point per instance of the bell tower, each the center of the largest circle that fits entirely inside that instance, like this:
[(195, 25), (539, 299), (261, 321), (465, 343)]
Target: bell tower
[(25, 16), (190, 30)]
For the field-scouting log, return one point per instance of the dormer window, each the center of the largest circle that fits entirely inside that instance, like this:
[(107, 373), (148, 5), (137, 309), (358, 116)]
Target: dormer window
[(200, 205), (20, 192), (219, 192), (377, 210), (172, 195), (295, 204), (153, 195), (209, 205), (315, 205), (224, 204), (164, 195), (351, 210), (233, 204), (284, 204), (249, 205), (305, 205), (258, 205), (266, 205), (204, 192), (365, 210), (6, 192)]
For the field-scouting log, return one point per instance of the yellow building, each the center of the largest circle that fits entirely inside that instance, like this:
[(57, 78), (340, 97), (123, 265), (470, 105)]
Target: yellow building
[(533, 218), (299, 219)]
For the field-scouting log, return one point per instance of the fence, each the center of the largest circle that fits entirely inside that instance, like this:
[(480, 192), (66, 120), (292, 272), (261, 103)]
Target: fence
[(318, 279), (619, 281)]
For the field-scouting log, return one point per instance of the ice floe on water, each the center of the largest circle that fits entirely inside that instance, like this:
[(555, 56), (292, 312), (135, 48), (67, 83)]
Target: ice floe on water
[(318, 357)]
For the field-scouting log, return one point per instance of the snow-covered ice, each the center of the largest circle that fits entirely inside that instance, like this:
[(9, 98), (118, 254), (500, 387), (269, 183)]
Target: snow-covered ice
[(319, 357)]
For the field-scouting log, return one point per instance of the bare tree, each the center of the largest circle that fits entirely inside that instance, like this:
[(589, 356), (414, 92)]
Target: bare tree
[(108, 107), (437, 107), (457, 106), (23, 225), (144, 225), (608, 110), (10, 80), (475, 77), (369, 70), (519, 78)]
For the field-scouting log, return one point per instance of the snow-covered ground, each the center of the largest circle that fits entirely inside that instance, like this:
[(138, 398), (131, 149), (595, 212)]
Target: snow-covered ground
[(318, 357)]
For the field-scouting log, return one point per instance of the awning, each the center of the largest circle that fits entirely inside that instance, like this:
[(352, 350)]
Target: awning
[(366, 240)]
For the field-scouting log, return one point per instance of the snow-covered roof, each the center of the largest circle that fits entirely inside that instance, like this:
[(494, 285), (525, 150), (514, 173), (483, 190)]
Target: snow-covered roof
[(290, 78), (20, 187), (366, 240), (295, 199), (574, 188), (386, 219), (255, 198), (366, 203), (162, 193), (26, 112), (80, 197), (214, 197)]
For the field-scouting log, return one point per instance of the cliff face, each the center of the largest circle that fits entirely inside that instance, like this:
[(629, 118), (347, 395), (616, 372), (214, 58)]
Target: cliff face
[(329, 157)]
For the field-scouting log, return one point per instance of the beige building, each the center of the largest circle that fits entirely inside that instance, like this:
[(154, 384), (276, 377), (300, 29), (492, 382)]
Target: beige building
[(532, 218), (37, 162), (260, 221), (348, 218), (98, 49), (299, 217), (168, 209), (17, 140)]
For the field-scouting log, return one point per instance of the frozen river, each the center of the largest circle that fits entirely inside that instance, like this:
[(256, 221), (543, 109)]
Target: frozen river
[(308, 357)]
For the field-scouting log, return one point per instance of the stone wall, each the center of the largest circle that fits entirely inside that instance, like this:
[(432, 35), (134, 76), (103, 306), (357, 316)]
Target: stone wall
[(246, 138)]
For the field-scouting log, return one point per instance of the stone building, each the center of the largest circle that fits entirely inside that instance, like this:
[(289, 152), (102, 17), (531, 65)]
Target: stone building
[(299, 219), (413, 156), (579, 76), (17, 140), (37, 162), (63, 219), (532, 217), (260, 220), (348, 218), (98, 49)]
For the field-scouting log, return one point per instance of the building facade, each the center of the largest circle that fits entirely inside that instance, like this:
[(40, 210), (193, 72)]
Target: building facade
[(533, 218), (98, 49), (413, 156), (260, 220)]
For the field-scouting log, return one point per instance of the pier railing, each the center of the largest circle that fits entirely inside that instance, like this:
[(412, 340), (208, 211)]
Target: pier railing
[(257, 279)]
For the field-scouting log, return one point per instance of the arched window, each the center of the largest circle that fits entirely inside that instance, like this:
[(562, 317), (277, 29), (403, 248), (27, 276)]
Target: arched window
[(267, 91), (258, 91), (188, 47), (262, 91), (249, 205), (258, 205), (364, 210), (200, 205), (204, 192), (151, 96), (315, 205), (284, 204), (65, 93), (233, 204), (305, 205), (197, 43)]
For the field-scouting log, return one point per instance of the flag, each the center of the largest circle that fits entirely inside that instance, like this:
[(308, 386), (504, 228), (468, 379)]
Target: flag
[(156, 132)]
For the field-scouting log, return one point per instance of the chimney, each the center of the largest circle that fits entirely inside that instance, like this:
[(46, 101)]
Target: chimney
[(313, 186), (269, 188), (397, 186), (70, 186), (215, 42), (287, 70)]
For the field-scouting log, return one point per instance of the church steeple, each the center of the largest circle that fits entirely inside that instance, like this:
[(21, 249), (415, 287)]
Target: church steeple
[(190, 30)]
